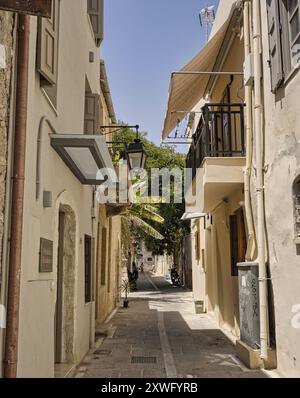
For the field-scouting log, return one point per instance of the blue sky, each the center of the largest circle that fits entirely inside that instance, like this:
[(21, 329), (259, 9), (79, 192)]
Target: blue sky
[(145, 40)]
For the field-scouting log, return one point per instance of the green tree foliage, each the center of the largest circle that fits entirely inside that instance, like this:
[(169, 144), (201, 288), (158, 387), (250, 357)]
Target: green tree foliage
[(172, 229)]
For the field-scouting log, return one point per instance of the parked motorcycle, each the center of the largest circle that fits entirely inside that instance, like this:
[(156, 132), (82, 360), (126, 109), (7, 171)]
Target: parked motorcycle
[(175, 278)]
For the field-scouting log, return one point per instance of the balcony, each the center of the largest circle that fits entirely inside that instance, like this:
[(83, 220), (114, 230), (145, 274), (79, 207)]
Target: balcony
[(217, 154)]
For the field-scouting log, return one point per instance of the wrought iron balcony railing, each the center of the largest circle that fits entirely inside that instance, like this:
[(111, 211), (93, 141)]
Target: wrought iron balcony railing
[(220, 133)]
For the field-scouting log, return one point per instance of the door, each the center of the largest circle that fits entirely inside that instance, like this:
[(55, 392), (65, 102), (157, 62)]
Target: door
[(59, 297)]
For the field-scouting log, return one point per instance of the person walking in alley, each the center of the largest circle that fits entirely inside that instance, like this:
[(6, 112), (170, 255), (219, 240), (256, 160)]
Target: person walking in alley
[(135, 272)]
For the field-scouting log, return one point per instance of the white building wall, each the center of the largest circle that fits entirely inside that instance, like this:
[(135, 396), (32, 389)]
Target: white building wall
[(38, 291), (282, 157)]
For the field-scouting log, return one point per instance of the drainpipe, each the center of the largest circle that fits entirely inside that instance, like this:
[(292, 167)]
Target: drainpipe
[(249, 142), (13, 287), (258, 113)]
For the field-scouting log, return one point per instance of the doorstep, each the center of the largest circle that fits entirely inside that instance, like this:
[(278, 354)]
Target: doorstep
[(251, 358), (64, 370)]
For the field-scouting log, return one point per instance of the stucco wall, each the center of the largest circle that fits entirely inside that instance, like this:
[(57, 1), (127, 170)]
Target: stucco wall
[(212, 277), (163, 264), (282, 157), (38, 291), (108, 294)]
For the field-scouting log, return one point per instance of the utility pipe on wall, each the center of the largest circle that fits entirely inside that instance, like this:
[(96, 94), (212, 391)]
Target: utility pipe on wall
[(258, 113), (249, 142), (13, 299)]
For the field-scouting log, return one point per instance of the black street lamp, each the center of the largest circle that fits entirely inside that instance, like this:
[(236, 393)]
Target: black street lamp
[(136, 152)]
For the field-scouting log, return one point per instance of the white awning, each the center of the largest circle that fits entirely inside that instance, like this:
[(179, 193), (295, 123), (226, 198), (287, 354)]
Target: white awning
[(193, 216), (186, 90), (85, 155)]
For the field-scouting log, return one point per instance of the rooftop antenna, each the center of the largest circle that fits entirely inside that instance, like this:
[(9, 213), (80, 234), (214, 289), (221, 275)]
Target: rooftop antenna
[(207, 17)]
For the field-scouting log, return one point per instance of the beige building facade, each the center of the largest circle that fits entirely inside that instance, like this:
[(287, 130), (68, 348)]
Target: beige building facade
[(70, 245), (245, 160), (219, 180), (108, 257), (282, 167)]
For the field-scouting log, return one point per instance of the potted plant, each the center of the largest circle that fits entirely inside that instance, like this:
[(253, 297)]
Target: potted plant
[(126, 285)]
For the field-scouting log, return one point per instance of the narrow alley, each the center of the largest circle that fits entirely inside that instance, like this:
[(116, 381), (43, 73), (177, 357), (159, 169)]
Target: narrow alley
[(160, 336), (149, 193)]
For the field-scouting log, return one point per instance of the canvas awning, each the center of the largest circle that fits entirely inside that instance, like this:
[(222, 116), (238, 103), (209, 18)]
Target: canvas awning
[(186, 90)]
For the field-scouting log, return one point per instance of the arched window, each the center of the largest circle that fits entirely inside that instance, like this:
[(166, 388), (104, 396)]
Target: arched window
[(296, 198)]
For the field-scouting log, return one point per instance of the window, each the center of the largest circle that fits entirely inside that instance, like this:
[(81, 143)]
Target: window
[(284, 39), (296, 199), (237, 240), (96, 13), (88, 268), (47, 52)]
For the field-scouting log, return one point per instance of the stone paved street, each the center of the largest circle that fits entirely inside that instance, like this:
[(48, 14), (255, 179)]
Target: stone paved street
[(161, 327)]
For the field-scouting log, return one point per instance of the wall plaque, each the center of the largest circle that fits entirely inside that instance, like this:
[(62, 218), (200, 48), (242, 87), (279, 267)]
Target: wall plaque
[(41, 8), (46, 256)]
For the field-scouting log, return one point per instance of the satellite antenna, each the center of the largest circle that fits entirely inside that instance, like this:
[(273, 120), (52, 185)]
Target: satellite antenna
[(207, 17)]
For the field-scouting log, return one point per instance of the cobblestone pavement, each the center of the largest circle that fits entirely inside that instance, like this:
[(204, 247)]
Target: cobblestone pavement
[(160, 336)]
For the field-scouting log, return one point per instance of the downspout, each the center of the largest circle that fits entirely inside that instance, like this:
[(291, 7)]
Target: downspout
[(13, 299), (258, 113), (249, 142)]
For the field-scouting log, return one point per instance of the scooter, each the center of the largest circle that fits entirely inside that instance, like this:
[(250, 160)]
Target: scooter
[(175, 278)]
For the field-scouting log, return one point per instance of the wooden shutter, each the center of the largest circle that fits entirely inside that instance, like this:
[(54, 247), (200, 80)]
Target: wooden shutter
[(238, 240), (92, 114), (103, 255), (88, 268), (275, 44), (47, 45), (234, 244), (109, 256), (96, 11), (241, 232)]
